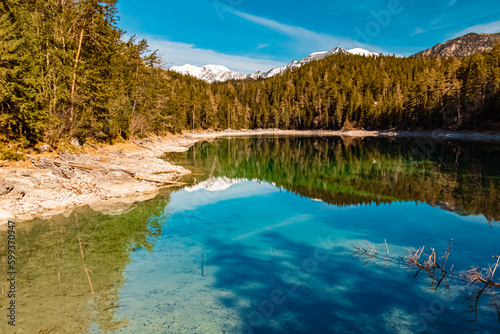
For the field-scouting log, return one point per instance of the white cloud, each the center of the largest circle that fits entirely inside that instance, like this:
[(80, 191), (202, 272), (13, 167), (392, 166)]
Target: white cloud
[(418, 30), (307, 40), (177, 53), (488, 28), (303, 40)]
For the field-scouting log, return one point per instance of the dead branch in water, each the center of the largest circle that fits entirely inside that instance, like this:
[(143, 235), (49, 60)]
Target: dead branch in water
[(144, 178), (371, 246), (482, 279), (370, 253), (86, 270), (386, 248), (90, 281), (483, 275), (81, 248), (447, 253)]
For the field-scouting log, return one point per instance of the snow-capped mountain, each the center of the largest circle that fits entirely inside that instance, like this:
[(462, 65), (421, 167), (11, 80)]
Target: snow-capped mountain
[(209, 73), (213, 73), (297, 63), (362, 52)]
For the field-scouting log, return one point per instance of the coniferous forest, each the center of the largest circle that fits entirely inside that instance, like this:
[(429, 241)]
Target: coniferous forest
[(67, 71)]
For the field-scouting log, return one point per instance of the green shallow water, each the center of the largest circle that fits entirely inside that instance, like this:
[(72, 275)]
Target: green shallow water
[(263, 244)]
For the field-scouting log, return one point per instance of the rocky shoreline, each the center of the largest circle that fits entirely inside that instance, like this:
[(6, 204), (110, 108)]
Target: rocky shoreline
[(111, 178), (107, 179)]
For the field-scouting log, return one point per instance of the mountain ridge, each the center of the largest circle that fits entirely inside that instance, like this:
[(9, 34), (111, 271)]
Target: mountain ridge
[(462, 46), (219, 73)]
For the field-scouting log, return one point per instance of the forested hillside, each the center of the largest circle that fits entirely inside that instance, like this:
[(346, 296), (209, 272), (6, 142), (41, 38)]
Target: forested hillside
[(66, 71)]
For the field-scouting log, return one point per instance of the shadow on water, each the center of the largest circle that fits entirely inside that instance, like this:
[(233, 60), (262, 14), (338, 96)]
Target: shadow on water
[(320, 289)]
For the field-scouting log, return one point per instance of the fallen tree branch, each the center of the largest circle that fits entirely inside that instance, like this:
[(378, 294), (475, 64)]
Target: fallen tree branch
[(72, 164), (165, 172), (140, 145), (145, 178)]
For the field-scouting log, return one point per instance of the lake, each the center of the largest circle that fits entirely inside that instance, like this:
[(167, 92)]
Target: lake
[(278, 235)]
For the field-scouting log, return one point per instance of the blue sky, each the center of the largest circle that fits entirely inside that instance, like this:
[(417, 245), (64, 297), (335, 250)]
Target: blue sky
[(251, 35)]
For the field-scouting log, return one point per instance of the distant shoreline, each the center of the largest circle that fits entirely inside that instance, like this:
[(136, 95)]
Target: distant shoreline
[(436, 134), (108, 184)]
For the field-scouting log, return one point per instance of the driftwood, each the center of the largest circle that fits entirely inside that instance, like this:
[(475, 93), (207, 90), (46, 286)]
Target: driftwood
[(72, 164), (140, 145), (144, 178), (164, 172)]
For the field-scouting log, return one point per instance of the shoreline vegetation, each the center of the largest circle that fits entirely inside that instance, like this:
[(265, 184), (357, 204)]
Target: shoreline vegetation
[(110, 178)]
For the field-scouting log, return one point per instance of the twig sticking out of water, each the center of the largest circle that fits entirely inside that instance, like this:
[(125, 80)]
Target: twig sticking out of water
[(373, 248), (447, 253), (482, 278), (387, 249), (86, 270), (414, 258), (359, 249), (90, 281), (483, 275), (370, 252), (81, 248), (203, 264)]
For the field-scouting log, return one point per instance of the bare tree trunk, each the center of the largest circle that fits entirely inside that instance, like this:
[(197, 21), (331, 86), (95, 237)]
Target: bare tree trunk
[(77, 58)]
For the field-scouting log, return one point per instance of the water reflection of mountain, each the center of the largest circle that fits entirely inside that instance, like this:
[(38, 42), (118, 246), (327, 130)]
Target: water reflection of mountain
[(458, 177)]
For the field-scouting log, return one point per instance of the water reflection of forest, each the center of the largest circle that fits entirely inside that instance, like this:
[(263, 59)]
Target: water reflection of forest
[(55, 294), (456, 176)]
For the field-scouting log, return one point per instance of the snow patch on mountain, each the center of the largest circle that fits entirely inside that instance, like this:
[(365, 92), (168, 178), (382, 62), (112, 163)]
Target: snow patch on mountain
[(297, 63), (362, 52), (214, 73), (209, 73)]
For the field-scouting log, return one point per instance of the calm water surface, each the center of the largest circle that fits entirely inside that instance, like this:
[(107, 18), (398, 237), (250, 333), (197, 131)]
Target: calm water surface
[(262, 242)]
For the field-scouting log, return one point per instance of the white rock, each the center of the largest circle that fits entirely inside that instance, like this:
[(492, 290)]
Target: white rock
[(50, 204), (75, 142), (5, 216)]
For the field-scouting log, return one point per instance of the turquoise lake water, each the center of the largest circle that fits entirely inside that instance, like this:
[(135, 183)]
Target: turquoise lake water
[(262, 242)]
